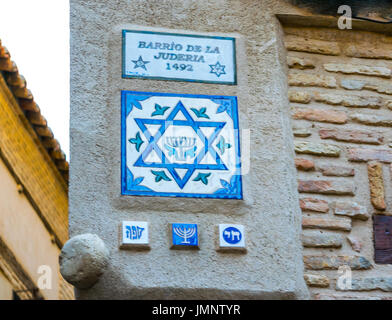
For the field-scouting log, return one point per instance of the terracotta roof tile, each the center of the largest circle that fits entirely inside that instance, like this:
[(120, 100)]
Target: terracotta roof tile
[(25, 99)]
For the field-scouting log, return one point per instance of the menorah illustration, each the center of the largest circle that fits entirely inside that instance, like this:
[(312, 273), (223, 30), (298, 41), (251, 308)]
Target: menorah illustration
[(181, 147), (185, 233)]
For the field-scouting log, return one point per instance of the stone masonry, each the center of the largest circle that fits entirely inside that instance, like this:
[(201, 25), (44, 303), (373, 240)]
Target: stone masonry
[(272, 267), (341, 101)]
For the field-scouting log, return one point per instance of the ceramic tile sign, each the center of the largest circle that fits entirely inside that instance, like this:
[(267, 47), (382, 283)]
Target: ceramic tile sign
[(168, 56), (179, 145), (184, 236), (231, 237), (134, 234)]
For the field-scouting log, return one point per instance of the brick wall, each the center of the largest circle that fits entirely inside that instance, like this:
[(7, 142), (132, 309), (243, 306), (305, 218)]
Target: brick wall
[(341, 102)]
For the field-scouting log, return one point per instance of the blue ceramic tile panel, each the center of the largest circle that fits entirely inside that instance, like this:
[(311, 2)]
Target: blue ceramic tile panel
[(180, 146)]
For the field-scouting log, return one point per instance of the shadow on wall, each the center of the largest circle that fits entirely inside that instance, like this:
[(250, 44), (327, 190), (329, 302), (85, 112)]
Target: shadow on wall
[(373, 10)]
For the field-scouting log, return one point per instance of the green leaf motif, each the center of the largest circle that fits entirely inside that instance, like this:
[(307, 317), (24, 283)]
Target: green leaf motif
[(160, 175), (159, 111), (222, 145), (134, 101), (203, 177), (137, 141), (200, 113)]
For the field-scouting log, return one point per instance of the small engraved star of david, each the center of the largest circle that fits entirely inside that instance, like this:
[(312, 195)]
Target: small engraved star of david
[(218, 69), (139, 63)]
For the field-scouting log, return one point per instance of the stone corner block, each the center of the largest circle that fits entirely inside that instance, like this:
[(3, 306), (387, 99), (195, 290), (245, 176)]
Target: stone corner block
[(83, 260)]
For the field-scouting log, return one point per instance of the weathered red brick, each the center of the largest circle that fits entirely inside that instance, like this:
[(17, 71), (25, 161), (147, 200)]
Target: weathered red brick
[(356, 136), (350, 209), (354, 101), (372, 119), (304, 164), (316, 239), (355, 243), (312, 204), (326, 187), (320, 115), (364, 155), (328, 224), (336, 171)]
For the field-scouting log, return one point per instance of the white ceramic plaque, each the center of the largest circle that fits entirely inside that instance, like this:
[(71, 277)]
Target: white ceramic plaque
[(231, 236), (134, 234), (168, 56)]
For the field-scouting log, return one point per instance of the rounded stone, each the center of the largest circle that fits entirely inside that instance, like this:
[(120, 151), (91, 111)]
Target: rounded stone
[(83, 260)]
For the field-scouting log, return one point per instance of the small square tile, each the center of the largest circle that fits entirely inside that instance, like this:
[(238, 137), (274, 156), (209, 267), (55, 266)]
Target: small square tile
[(231, 237), (134, 234), (184, 236)]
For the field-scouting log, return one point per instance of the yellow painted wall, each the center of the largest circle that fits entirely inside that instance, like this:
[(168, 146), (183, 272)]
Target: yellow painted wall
[(25, 234), (5, 288)]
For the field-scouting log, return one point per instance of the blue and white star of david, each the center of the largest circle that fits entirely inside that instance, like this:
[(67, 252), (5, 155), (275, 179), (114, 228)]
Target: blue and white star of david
[(180, 146), (218, 69)]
